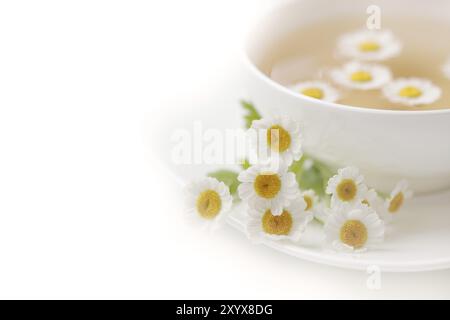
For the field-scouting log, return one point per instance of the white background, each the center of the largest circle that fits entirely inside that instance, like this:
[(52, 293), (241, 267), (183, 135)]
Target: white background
[(87, 209)]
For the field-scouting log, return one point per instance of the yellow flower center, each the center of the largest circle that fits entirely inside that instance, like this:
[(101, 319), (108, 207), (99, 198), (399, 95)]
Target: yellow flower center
[(346, 190), (209, 204), (278, 138), (309, 202), (354, 233), (361, 76), (396, 202), (267, 185), (366, 202), (369, 46), (410, 92), (313, 93), (277, 225)]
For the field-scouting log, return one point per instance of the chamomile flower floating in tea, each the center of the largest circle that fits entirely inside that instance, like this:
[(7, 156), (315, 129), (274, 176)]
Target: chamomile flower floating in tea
[(268, 188), (317, 90), (209, 200), (362, 76), (290, 224), (281, 135), (412, 92), (366, 45), (347, 187), (353, 228), (313, 205)]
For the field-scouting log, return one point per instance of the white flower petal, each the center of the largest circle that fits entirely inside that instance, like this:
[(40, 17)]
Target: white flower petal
[(300, 220), (380, 76), (348, 173), (362, 213), (287, 193), (193, 191), (349, 45), (430, 93), (329, 93), (262, 148)]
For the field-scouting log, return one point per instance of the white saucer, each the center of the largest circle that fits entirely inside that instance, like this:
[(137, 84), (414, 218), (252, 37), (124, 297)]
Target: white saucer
[(418, 240)]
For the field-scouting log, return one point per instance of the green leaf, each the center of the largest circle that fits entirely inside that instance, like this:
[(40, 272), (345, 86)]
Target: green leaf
[(251, 115), (297, 166), (245, 164), (228, 177), (314, 177), (311, 178), (325, 172)]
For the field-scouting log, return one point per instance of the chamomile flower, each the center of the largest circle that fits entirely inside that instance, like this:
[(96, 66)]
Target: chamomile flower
[(375, 202), (267, 188), (290, 224), (280, 135), (366, 45), (347, 187), (354, 228), (362, 76), (388, 208), (209, 200), (412, 91), (314, 206), (317, 90), (446, 69), (372, 199), (311, 199), (398, 196)]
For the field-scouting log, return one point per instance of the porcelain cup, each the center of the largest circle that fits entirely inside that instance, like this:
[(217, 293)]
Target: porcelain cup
[(386, 145)]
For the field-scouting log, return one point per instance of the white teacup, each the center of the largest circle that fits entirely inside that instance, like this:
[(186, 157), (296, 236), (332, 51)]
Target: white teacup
[(386, 145)]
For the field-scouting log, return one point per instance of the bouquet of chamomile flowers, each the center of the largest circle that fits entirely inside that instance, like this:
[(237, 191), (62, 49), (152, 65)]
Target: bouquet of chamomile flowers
[(283, 197)]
